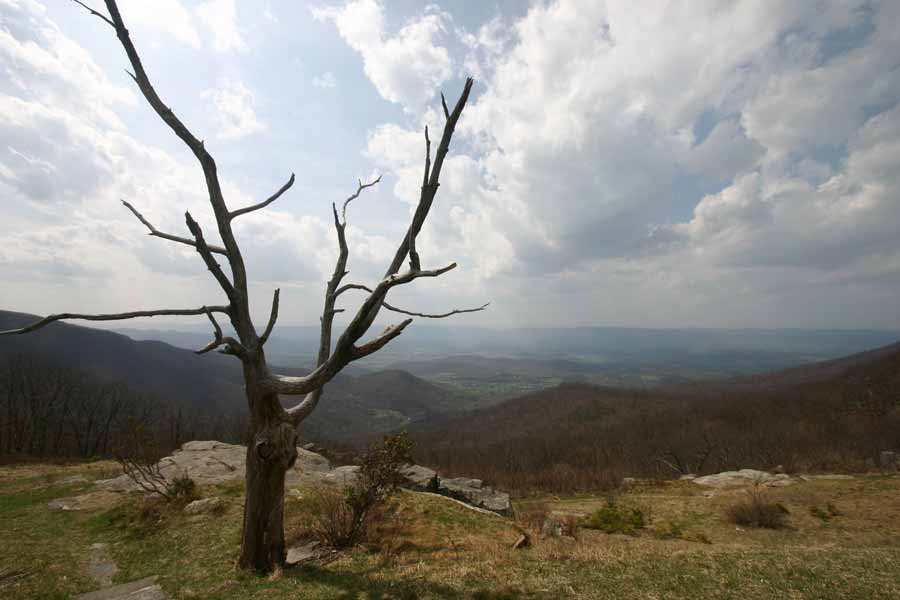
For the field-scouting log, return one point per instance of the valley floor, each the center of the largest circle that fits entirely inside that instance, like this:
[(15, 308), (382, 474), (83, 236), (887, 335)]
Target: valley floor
[(442, 550)]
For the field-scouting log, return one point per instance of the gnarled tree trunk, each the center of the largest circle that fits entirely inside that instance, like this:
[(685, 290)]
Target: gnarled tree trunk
[(271, 451)]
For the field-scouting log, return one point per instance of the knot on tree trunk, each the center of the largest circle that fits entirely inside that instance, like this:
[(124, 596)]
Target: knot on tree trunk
[(277, 444)]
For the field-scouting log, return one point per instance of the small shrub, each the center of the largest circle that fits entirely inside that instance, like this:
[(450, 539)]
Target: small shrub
[(342, 518), (756, 510), (139, 460), (613, 518), (181, 489), (669, 530), (331, 518), (829, 512)]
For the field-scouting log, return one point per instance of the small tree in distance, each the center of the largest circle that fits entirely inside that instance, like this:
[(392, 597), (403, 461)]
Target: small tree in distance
[(272, 447)]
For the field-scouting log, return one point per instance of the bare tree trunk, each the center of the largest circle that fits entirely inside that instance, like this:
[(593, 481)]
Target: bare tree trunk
[(271, 452)]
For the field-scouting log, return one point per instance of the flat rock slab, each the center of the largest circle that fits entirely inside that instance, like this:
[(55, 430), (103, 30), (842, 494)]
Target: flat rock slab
[(744, 477), (142, 589), (100, 566), (206, 505), (303, 553), (213, 463)]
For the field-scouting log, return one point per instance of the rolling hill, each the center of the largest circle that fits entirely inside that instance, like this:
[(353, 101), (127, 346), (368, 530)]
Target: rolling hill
[(833, 414), (351, 408)]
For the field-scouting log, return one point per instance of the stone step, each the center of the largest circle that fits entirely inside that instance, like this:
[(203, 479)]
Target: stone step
[(142, 589)]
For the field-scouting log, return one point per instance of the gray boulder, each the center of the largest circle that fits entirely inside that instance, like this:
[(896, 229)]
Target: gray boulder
[(474, 492), (420, 479), (206, 505)]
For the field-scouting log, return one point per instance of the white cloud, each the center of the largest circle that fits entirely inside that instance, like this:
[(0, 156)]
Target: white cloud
[(235, 113), (168, 17), (589, 164), (325, 81), (63, 170), (407, 67), (220, 19)]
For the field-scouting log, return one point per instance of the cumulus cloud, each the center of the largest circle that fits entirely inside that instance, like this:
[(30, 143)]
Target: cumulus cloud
[(235, 113), (621, 144), (406, 67), (64, 169)]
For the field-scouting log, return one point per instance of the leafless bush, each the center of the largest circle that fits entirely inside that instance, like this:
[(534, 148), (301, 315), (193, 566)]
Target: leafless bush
[(756, 510), (342, 518), (140, 462)]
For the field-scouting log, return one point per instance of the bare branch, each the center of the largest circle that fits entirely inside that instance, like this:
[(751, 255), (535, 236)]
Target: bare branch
[(360, 187), (216, 329), (264, 203), (240, 315), (346, 349), (232, 346), (206, 254), (352, 286), (430, 189), (427, 158), (117, 317), (455, 311), (95, 13), (379, 342), (167, 236), (217, 335), (273, 316), (444, 104)]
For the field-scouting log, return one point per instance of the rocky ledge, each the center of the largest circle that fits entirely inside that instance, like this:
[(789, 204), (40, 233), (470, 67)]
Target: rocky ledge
[(214, 463)]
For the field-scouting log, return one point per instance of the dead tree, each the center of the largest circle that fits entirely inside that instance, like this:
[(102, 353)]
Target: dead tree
[(272, 448)]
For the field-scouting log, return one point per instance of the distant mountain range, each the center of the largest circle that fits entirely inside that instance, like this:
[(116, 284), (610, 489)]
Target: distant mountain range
[(833, 414), (426, 387), (494, 364), (352, 407)]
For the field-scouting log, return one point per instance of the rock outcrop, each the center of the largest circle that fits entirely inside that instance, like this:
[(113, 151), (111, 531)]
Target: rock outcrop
[(465, 489), (214, 463), (744, 477)]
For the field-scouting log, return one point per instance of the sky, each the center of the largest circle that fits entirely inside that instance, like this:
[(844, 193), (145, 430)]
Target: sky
[(622, 163)]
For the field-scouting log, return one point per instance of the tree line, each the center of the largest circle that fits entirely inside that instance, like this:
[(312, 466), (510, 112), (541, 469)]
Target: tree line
[(47, 410)]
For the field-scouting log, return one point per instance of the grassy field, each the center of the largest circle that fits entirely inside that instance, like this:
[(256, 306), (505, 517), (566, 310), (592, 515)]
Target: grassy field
[(442, 550)]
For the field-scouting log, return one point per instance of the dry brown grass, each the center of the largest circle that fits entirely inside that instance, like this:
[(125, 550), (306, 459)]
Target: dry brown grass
[(434, 548)]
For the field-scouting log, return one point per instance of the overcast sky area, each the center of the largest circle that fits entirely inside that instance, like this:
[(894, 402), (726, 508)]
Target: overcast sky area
[(696, 164)]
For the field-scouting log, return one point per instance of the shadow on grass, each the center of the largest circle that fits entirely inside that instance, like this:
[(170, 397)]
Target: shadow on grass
[(347, 585)]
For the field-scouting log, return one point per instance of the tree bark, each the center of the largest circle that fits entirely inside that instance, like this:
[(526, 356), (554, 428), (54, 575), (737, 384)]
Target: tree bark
[(271, 451)]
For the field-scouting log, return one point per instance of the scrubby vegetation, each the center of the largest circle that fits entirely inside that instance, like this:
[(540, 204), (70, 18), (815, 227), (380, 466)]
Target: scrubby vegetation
[(757, 510), (341, 518), (615, 518)]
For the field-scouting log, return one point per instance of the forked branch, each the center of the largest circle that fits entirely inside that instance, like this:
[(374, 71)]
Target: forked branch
[(359, 188), (455, 311), (232, 346), (168, 236), (346, 349)]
